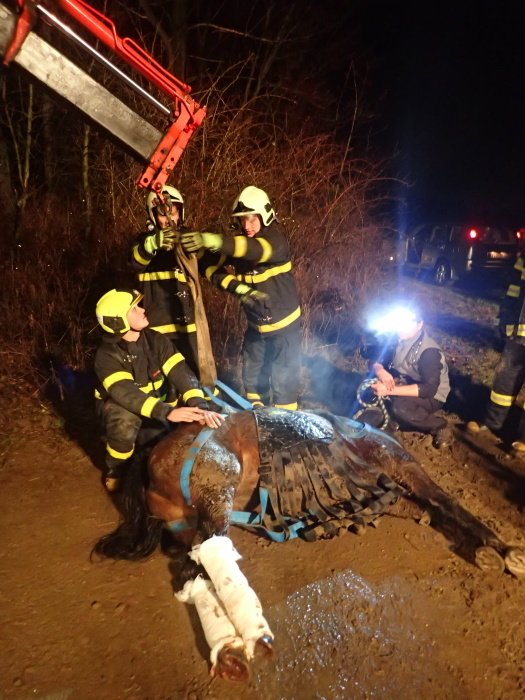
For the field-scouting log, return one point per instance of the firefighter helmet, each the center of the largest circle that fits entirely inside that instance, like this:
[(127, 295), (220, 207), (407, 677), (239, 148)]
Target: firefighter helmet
[(170, 196), (112, 309), (252, 200)]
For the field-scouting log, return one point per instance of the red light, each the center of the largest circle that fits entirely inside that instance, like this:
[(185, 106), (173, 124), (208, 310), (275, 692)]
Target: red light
[(518, 234), (472, 234)]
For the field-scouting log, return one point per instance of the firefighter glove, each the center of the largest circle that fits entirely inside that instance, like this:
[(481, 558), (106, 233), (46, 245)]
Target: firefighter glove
[(250, 296), (194, 241), (161, 240)]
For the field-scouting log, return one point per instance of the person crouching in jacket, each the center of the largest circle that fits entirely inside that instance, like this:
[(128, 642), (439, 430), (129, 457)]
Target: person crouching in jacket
[(416, 381), (141, 380)]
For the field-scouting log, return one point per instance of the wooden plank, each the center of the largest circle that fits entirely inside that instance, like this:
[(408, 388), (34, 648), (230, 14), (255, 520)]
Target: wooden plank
[(62, 76)]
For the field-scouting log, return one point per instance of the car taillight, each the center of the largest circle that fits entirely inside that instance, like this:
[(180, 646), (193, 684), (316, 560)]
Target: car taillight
[(518, 235), (472, 234)]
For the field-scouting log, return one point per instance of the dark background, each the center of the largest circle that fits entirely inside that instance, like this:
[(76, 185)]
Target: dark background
[(448, 91)]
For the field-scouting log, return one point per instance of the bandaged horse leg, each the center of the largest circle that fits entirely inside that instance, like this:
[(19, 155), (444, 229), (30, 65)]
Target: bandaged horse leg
[(226, 647), (219, 557)]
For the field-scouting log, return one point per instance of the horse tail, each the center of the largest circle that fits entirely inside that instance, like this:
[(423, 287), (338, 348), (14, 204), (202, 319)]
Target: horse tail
[(138, 534)]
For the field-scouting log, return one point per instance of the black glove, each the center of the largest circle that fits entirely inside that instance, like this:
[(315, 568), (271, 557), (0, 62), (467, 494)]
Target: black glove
[(253, 298)]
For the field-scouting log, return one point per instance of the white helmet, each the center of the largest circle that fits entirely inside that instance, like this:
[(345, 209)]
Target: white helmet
[(171, 196), (252, 200)]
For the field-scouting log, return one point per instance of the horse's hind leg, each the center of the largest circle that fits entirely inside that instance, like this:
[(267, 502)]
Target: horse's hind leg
[(479, 543), (219, 558), (226, 647)]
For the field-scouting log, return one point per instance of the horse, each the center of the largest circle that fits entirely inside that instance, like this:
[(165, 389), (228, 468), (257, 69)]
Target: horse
[(287, 474)]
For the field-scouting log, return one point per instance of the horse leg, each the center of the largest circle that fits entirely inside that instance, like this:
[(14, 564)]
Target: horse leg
[(480, 543), (226, 647), (219, 557)]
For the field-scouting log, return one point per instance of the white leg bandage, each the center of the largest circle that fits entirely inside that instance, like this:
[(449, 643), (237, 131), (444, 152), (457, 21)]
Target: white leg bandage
[(218, 629), (218, 556)]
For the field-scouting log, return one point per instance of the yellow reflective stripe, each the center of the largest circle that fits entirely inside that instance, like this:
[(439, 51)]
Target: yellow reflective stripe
[(148, 406), (266, 328), (501, 399), (175, 328), (118, 455), (116, 377), (513, 290), (263, 276), (211, 269), (226, 281), (193, 394), (509, 330), (519, 264), (288, 406), (252, 397), (152, 386), (168, 275), (138, 257), (521, 329), (267, 250), (98, 395), (240, 246), (171, 362)]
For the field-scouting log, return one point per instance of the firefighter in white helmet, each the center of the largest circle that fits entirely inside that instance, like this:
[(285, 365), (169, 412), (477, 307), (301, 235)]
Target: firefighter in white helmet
[(264, 282), (167, 296), (141, 382)]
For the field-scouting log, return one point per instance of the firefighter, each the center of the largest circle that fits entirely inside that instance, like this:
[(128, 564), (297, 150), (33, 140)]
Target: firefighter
[(416, 381), (510, 372), (167, 297), (141, 380), (263, 280)]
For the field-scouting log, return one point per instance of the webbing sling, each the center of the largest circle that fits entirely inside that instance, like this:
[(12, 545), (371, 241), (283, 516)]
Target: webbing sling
[(205, 359), (189, 459)]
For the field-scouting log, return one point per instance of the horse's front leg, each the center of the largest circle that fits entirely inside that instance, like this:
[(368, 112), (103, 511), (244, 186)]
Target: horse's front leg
[(226, 647), (219, 558)]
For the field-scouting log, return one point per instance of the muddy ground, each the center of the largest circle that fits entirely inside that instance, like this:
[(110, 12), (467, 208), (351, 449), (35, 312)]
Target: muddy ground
[(391, 614)]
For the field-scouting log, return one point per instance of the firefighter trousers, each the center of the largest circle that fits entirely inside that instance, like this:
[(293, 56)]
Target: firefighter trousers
[(416, 413), (271, 367), (508, 380), (124, 431)]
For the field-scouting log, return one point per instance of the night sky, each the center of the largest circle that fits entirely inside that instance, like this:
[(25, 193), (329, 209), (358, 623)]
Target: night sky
[(449, 89)]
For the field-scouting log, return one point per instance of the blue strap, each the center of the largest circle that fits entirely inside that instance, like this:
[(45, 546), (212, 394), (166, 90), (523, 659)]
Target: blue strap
[(219, 401), (240, 400), (187, 465), (255, 520)]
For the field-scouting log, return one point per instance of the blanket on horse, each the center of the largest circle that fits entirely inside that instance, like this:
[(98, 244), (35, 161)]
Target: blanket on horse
[(311, 481)]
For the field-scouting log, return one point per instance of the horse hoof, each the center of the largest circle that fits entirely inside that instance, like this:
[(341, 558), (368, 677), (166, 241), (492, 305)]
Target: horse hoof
[(488, 559), (264, 647), (425, 519), (232, 665), (515, 561)]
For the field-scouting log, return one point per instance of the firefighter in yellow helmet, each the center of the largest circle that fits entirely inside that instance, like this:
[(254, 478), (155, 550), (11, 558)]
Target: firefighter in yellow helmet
[(141, 381), (264, 282), (167, 297)]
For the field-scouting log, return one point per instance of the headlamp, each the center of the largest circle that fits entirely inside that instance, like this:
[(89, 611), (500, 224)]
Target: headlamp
[(394, 320)]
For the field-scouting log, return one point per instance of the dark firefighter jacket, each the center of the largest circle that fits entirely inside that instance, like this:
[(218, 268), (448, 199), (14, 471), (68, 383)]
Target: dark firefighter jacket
[(167, 296), (512, 310), (262, 262), (421, 361), (143, 376)]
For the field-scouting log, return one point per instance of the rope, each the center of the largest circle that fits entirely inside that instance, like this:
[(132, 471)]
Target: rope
[(376, 402)]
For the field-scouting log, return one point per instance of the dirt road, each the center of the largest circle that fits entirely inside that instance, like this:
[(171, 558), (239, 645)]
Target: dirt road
[(391, 614)]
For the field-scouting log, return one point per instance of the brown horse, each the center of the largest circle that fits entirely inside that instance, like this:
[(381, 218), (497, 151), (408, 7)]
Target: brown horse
[(315, 472)]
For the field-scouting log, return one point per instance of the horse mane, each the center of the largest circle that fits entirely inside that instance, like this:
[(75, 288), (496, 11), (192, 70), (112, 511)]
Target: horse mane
[(138, 534)]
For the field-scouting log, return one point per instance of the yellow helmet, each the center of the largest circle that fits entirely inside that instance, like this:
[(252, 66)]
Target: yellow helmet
[(252, 200), (171, 196), (112, 309)]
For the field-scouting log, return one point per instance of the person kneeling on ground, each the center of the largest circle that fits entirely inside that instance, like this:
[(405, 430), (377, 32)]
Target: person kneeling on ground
[(416, 381), (141, 378)]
